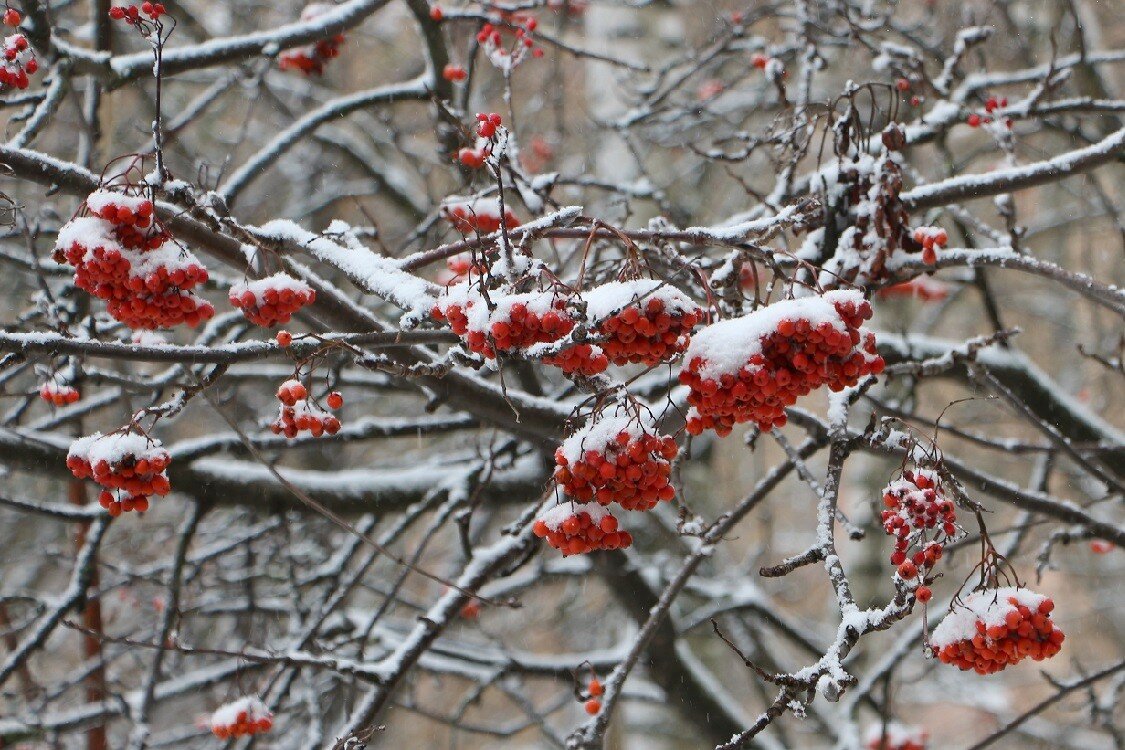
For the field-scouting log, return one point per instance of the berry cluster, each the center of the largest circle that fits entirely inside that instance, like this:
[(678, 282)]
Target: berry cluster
[(454, 73), (895, 736), (618, 459), (130, 463), (488, 125), (19, 59), (580, 359), (311, 58), (459, 268), (749, 369), (121, 255), (594, 690), (930, 238), (131, 14), (491, 39), (574, 529), (643, 321), (990, 105), (243, 717), (483, 215), (921, 518), (513, 321), (59, 395), (298, 414), (994, 628), (272, 300)]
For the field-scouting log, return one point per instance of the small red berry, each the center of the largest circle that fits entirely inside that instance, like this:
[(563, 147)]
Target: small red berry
[(902, 84), (593, 706), (974, 120), (335, 400), (436, 13), (595, 688), (12, 17), (923, 594), (284, 338)]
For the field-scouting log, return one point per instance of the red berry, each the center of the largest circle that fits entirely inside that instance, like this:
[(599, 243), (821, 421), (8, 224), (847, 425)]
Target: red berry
[(974, 120), (923, 594), (594, 688), (12, 17), (593, 706), (335, 400)]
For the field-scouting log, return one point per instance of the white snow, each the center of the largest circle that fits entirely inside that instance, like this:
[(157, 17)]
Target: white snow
[(989, 607), (728, 345), (607, 299), (278, 281), (115, 447), (227, 714), (555, 517), (596, 434)]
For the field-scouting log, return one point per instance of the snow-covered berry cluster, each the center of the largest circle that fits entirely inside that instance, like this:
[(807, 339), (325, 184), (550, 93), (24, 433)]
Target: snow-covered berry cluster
[(128, 464), (122, 255), (643, 321), (749, 369), (514, 321), (241, 718), (931, 239), (131, 14), (617, 459), (922, 520), (480, 214), (273, 300), (311, 58), (994, 628), (521, 27), (298, 413), (19, 59), (577, 528), (895, 736), (59, 395)]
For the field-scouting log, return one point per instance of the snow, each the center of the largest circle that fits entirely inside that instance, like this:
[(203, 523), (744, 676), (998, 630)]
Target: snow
[(92, 232), (603, 430), (115, 447), (725, 347), (610, 298), (743, 230), (988, 606), (377, 275), (98, 200), (481, 318), (227, 714), (555, 517), (278, 281)]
